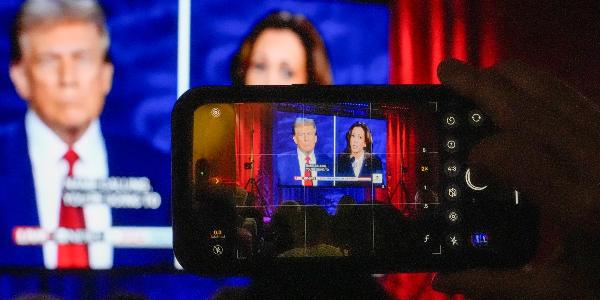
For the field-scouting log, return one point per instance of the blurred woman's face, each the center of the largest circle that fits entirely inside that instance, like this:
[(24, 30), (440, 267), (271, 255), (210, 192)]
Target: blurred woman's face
[(278, 57), (357, 140)]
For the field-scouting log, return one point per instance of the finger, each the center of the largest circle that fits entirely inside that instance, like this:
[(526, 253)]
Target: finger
[(564, 197), (554, 282), (513, 109), (506, 160), (508, 106), (556, 95), (482, 88), (576, 123)]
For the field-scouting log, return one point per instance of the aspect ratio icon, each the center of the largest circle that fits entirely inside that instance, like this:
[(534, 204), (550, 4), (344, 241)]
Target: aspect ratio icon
[(451, 168)]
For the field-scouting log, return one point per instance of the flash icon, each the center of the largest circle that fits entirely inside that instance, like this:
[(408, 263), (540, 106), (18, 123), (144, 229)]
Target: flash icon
[(217, 249)]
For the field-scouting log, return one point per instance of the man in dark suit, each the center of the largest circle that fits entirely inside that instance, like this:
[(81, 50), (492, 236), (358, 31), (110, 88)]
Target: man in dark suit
[(60, 67), (302, 166)]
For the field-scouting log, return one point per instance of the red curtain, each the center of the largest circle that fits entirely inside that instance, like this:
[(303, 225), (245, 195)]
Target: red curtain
[(252, 139), (422, 34), (401, 162), (408, 132)]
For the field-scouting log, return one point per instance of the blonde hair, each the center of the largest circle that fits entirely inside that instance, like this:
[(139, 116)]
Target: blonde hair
[(34, 13)]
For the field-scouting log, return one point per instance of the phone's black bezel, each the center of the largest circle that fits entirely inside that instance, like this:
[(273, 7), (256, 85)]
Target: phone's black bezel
[(188, 245)]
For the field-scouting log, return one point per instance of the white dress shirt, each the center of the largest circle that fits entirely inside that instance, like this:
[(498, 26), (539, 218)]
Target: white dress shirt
[(357, 164), (302, 162), (46, 151)]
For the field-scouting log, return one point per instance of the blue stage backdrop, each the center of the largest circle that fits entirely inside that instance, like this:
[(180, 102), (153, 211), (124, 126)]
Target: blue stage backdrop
[(355, 34), (11, 107), (144, 52)]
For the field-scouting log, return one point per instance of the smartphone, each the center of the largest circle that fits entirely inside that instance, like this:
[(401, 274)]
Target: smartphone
[(349, 178)]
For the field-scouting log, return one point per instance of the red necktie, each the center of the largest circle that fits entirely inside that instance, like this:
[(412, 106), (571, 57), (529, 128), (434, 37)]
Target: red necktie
[(71, 256), (307, 172)]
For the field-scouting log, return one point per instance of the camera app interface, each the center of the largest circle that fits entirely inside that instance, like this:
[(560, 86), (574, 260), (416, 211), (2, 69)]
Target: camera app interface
[(326, 179)]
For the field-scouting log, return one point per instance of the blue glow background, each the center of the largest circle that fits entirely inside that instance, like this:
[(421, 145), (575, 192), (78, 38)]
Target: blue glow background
[(10, 106), (144, 52), (356, 37)]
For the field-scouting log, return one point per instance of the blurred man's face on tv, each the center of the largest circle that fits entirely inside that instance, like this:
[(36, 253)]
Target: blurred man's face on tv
[(278, 57), (305, 136), (63, 75)]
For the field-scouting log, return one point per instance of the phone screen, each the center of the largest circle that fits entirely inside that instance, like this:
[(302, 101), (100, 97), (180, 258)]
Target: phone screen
[(326, 179)]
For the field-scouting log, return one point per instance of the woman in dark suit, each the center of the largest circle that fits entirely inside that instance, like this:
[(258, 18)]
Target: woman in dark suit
[(357, 159)]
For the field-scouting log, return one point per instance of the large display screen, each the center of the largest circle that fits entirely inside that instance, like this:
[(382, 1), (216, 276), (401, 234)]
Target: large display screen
[(125, 198)]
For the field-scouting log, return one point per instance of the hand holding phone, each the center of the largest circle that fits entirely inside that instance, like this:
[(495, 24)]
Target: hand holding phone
[(546, 146)]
